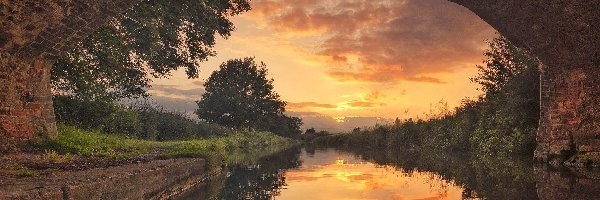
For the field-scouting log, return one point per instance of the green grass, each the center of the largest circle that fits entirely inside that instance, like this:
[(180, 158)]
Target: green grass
[(228, 149), (21, 170)]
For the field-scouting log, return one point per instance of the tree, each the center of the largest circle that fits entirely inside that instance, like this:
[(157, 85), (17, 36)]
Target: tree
[(504, 62), (510, 109), (240, 95), (149, 40)]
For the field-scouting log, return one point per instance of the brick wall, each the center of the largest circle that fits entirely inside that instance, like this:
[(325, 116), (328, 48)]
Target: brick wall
[(33, 35), (570, 117), (565, 36), (25, 100)]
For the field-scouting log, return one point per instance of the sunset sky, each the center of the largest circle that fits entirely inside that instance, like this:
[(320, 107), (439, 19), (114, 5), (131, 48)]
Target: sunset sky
[(342, 58)]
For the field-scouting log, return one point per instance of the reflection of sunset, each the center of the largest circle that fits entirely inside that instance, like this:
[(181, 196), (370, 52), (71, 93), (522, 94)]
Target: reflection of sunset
[(340, 161), (346, 177)]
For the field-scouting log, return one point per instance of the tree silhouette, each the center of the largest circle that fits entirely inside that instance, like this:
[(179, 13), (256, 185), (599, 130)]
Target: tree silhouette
[(240, 95)]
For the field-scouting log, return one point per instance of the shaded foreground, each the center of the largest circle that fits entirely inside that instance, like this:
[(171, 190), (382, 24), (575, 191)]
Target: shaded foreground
[(80, 164), (157, 179)]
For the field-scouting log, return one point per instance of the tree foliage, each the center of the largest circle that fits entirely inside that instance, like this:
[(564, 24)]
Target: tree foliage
[(143, 121), (504, 61), (240, 95), (149, 41)]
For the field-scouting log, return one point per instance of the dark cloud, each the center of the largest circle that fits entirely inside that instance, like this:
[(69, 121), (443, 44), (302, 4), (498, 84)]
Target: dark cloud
[(173, 90), (385, 41)]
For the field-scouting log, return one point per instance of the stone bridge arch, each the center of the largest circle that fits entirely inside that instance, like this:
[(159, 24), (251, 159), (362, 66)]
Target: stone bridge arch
[(563, 34)]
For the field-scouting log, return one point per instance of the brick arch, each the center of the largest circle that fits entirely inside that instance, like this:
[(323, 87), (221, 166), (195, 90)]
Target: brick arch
[(563, 34), (33, 34)]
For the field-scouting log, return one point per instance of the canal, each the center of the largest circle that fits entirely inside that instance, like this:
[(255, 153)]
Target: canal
[(328, 173)]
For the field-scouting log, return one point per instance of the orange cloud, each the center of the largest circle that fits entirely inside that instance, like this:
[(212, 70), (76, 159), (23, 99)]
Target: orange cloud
[(368, 100), (360, 101), (392, 40), (362, 104), (301, 105), (361, 177)]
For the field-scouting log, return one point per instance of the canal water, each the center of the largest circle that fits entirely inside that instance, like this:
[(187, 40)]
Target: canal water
[(327, 173)]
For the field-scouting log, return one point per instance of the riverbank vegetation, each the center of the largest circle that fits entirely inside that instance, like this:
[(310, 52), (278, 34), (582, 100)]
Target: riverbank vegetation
[(75, 141), (76, 149), (502, 121), (143, 121)]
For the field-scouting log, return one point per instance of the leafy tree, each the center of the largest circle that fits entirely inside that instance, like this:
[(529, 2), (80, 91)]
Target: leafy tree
[(240, 95), (504, 62), (510, 110), (148, 41)]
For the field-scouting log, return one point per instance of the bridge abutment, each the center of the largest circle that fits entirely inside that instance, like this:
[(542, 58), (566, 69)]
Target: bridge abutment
[(33, 34), (569, 129), (26, 109), (565, 37)]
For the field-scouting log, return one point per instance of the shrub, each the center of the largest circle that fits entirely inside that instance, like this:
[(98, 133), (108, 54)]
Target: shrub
[(123, 122), (141, 121)]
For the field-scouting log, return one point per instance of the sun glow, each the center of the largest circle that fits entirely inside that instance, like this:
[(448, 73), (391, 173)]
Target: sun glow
[(355, 63), (339, 119)]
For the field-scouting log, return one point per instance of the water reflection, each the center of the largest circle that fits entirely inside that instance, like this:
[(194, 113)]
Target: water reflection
[(331, 174), (310, 173)]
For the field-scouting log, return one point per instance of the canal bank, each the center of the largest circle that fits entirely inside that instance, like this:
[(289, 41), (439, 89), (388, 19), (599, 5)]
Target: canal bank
[(158, 179), (82, 164)]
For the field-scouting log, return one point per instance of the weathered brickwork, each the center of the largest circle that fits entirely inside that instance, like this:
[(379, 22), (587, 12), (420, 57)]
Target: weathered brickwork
[(570, 119), (33, 33), (25, 100), (564, 35)]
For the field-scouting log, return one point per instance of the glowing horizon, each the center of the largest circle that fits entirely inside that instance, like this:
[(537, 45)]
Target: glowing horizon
[(354, 58)]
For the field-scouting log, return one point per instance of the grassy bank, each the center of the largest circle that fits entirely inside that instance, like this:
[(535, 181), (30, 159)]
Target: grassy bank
[(218, 150)]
